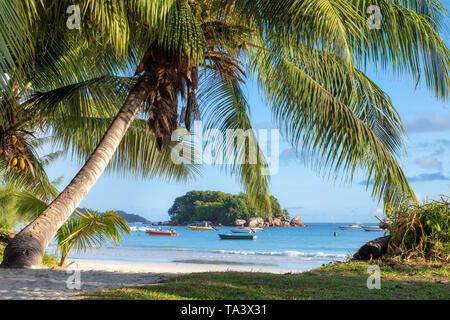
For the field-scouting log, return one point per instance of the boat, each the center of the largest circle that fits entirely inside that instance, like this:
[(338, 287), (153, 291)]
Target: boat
[(242, 230), (237, 236), (159, 232), (372, 228), (140, 228), (203, 228), (351, 227)]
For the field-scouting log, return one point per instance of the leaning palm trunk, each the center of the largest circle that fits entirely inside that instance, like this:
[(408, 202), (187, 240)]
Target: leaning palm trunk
[(28, 247)]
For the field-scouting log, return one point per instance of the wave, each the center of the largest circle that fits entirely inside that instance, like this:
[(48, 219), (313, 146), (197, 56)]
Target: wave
[(153, 252), (289, 253)]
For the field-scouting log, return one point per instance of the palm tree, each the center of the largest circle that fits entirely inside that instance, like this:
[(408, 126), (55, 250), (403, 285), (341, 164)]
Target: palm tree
[(307, 56), (27, 111)]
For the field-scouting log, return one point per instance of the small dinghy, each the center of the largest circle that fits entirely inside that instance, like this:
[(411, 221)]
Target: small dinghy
[(236, 236)]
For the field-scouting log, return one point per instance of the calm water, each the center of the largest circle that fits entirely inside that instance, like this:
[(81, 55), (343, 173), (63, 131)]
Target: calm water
[(295, 248)]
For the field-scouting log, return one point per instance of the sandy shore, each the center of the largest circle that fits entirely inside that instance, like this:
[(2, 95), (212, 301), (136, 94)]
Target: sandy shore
[(166, 268), (92, 275)]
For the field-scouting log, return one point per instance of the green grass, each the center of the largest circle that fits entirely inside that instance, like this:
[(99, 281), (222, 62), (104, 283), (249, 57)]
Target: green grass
[(47, 261), (337, 281)]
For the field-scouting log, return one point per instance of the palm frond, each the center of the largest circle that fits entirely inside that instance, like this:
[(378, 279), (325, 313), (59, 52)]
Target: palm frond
[(225, 108), (339, 115), (23, 205), (91, 229), (408, 41), (137, 156)]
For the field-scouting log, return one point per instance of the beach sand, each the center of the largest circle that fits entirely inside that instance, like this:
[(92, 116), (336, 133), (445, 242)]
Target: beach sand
[(93, 275)]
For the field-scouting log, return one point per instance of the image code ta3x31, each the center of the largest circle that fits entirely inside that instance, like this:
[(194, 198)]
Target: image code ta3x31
[(228, 309)]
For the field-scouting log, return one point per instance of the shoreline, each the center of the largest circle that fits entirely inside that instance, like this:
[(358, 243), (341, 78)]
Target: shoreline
[(45, 283), (176, 267)]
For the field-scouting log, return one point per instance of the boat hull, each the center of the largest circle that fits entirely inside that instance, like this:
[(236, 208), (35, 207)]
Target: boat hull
[(372, 228), (350, 228), (237, 236), (198, 228), (242, 230), (161, 233)]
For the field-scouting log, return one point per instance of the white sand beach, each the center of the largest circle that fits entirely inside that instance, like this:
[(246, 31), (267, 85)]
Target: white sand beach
[(93, 275)]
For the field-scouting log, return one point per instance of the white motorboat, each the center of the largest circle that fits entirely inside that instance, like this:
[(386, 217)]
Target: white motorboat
[(140, 228), (203, 228), (242, 230), (372, 228), (351, 227), (246, 230)]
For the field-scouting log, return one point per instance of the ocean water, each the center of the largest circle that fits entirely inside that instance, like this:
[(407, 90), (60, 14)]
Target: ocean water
[(293, 248)]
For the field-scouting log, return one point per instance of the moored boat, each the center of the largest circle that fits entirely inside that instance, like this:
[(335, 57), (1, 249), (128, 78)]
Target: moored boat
[(159, 232), (351, 227), (203, 228), (242, 230), (237, 236), (139, 228), (372, 228)]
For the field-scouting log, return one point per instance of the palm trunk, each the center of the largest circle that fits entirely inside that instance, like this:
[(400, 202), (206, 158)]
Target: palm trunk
[(28, 247)]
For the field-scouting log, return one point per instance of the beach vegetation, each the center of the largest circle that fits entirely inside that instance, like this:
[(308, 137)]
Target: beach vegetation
[(421, 230), (86, 230), (307, 58)]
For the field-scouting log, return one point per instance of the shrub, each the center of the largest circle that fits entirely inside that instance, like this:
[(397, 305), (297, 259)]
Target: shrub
[(421, 230)]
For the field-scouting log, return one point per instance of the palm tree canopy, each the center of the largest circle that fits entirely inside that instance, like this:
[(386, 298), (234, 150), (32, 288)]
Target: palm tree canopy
[(38, 101), (307, 56)]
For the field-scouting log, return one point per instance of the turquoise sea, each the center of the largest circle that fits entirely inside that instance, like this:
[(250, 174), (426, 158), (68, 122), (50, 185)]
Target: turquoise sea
[(294, 248)]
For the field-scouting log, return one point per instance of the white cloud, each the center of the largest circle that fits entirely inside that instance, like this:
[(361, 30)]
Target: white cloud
[(429, 163), (429, 122)]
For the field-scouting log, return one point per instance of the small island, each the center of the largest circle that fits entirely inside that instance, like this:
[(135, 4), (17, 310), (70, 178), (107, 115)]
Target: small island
[(225, 209)]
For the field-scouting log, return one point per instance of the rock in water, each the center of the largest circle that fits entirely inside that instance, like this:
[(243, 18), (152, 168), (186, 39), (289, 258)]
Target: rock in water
[(297, 221), (255, 222), (239, 222)]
